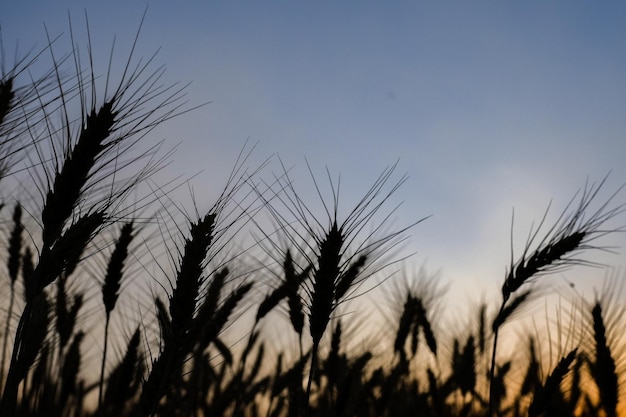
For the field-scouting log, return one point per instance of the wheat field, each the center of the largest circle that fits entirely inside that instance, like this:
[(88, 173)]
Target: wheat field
[(119, 302)]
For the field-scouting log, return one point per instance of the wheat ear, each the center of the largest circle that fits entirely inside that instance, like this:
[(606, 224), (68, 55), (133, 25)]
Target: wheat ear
[(571, 234), (110, 291), (542, 398), (13, 265), (603, 367), (121, 379)]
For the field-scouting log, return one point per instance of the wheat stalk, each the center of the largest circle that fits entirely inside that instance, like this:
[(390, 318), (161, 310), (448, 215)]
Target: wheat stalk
[(572, 233), (182, 306)]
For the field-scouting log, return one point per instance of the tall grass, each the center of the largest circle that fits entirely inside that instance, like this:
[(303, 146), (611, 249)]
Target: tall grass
[(78, 342)]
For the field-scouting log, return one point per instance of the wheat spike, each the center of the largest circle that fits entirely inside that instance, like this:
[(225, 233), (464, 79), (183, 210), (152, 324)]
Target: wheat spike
[(66, 253), (223, 350), (424, 323), (543, 396), (121, 380), (543, 259), (287, 289), (210, 330), (28, 269), (603, 368), (15, 245), (510, 308), (113, 277), (296, 313), (405, 324), (348, 277), (482, 327), (210, 301), (467, 378), (13, 265), (499, 385), (71, 368), (34, 339), (531, 379), (575, 392), (7, 94), (110, 291), (68, 185), (324, 278), (66, 312), (188, 279)]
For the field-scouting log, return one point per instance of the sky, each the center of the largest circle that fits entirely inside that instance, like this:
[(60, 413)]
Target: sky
[(486, 106)]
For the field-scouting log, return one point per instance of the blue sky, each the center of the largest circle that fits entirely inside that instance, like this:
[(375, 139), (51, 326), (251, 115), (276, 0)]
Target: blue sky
[(488, 105)]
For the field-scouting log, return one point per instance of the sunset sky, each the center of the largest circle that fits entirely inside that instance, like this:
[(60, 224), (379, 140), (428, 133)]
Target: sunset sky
[(489, 106)]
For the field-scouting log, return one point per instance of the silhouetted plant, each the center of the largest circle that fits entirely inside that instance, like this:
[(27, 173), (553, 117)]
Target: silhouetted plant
[(559, 248), (174, 353)]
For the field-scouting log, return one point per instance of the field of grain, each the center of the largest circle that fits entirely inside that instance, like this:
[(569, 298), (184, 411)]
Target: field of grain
[(118, 301)]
